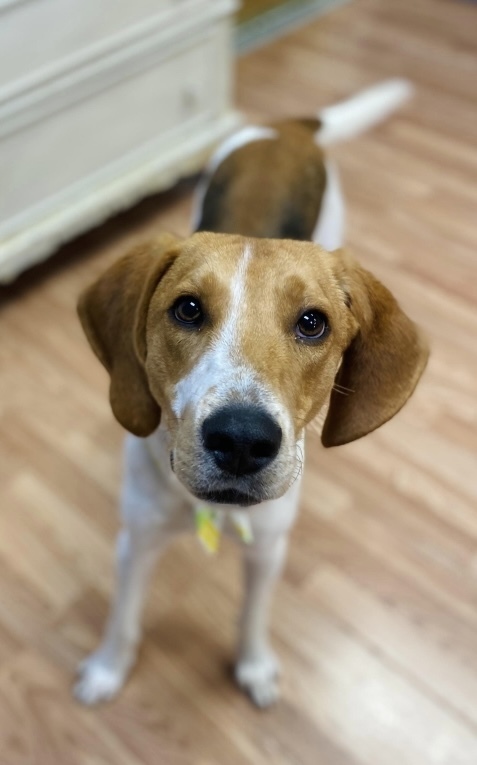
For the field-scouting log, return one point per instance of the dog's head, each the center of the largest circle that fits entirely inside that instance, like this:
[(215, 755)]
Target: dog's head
[(239, 343)]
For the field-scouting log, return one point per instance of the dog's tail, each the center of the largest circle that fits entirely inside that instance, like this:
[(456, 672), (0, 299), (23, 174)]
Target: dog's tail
[(349, 118)]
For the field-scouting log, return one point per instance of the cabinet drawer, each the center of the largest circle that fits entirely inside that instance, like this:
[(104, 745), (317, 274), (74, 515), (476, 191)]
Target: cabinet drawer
[(161, 103), (37, 34)]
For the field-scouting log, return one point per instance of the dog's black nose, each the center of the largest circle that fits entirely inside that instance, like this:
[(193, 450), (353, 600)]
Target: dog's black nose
[(242, 439)]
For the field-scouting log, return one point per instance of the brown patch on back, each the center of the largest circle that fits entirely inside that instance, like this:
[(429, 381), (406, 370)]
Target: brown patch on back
[(269, 188), (312, 124)]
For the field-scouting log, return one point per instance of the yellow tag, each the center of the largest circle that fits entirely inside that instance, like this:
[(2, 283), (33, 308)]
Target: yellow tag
[(208, 528)]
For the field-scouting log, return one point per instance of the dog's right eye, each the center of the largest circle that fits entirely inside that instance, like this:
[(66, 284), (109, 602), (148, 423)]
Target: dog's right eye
[(188, 310)]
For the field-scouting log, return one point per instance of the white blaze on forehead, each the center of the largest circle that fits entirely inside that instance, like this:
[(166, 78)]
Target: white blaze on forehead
[(220, 369), (238, 304)]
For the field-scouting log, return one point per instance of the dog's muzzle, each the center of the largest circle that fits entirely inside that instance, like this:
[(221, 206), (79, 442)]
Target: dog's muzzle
[(240, 441)]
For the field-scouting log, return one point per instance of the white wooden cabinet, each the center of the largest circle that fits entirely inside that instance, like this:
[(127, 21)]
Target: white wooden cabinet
[(101, 103)]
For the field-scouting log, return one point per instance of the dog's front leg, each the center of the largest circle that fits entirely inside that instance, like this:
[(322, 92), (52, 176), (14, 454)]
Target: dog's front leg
[(257, 667), (102, 674)]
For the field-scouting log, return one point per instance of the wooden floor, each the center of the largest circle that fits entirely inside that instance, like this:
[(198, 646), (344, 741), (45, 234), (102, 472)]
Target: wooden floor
[(376, 618)]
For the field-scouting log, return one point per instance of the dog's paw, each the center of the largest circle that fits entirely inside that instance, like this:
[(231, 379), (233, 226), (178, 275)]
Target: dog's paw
[(258, 677), (97, 682)]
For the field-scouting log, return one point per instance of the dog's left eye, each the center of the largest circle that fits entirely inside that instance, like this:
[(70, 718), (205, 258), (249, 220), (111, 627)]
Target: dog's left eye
[(188, 310), (312, 325)]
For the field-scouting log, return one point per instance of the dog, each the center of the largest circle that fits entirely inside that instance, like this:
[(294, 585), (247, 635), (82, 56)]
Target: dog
[(221, 348)]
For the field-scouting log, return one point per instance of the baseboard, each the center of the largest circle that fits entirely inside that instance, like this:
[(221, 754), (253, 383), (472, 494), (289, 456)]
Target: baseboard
[(279, 21)]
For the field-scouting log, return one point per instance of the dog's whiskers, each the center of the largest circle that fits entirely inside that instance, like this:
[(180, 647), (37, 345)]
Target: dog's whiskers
[(342, 389)]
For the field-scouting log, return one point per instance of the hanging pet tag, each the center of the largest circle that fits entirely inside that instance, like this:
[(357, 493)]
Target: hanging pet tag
[(208, 526)]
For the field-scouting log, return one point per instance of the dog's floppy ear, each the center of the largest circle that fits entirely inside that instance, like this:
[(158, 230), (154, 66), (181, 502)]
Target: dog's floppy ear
[(381, 366), (113, 313)]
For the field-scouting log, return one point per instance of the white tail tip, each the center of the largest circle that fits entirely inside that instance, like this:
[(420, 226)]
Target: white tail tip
[(350, 118)]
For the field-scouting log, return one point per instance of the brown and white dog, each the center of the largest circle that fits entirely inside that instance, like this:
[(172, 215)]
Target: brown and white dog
[(222, 347)]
